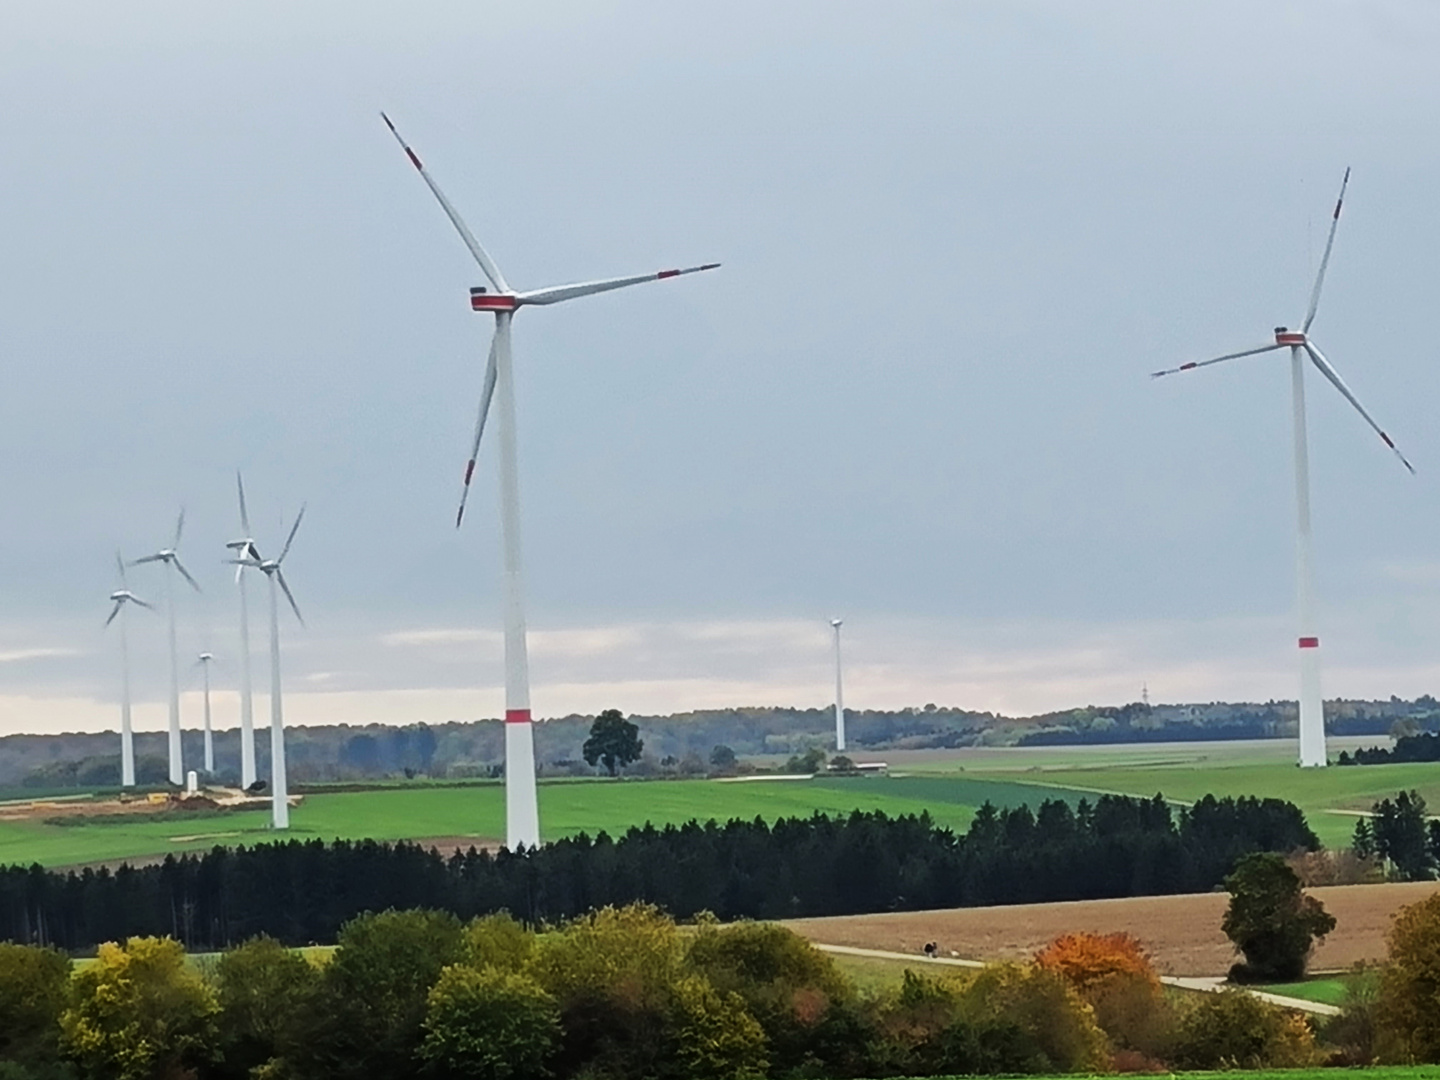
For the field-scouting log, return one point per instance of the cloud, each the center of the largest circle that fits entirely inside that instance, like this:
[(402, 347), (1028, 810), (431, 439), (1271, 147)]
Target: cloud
[(16, 656)]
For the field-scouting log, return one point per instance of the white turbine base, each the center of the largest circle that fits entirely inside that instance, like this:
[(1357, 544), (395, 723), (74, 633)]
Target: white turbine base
[(1312, 711), (522, 809)]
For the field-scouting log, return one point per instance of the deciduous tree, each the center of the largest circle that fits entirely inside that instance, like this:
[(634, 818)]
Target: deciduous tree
[(614, 741), (1271, 920), (139, 1013)]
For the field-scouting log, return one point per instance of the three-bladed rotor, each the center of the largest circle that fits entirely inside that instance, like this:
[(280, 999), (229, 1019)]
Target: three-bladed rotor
[(1300, 339), (504, 301), (170, 555), (123, 595), (245, 550), (271, 567)]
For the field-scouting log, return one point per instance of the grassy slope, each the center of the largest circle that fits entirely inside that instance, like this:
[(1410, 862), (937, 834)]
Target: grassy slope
[(1187, 773), (1326, 991), (478, 811)]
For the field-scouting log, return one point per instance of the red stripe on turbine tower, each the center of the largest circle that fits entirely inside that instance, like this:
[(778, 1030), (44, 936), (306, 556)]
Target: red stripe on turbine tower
[(1309, 643), (517, 716)]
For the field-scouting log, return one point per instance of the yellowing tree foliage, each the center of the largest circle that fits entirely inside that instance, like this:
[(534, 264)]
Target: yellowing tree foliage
[(139, 1012)]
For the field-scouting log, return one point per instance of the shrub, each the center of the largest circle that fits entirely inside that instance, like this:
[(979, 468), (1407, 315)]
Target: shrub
[(787, 984), (262, 988), (1113, 974), (489, 1024), (1045, 1008), (613, 973), (712, 1035), (498, 941), (1236, 1030), (922, 1032), (33, 984), (1271, 921), (373, 994), (1353, 1033), (1407, 1016), (138, 1012)]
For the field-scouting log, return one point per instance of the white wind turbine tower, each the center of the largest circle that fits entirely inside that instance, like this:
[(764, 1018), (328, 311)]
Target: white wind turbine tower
[(123, 596), (204, 661), (279, 792), (245, 552), (1312, 719), (522, 815), (839, 691), (171, 560)]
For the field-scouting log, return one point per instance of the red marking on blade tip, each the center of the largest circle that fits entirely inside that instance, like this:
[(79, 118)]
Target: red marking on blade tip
[(517, 716), (1309, 643), (1387, 440), (1187, 367), (668, 273), (413, 159), (469, 470)]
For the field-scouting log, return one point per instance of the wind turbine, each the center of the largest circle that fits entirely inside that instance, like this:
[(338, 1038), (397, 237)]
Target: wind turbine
[(279, 795), (522, 814), (123, 596), (169, 557), (839, 691), (245, 552), (204, 661), (1312, 719)]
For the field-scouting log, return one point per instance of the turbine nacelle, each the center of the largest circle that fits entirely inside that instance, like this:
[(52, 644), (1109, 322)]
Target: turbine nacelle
[(1285, 336)]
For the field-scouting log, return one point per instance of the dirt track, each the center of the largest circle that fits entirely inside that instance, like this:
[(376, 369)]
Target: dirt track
[(1181, 932)]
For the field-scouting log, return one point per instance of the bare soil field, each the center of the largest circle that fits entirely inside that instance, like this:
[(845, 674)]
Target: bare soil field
[(1182, 933)]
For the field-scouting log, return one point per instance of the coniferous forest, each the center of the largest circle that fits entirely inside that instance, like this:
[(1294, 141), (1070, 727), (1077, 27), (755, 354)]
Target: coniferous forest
[(303, 892)]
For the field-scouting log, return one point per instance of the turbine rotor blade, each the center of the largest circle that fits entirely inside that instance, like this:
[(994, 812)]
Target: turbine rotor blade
[(1318, 359), (179, 528), (558, 293), (486, 393), (291, 538), (120, 565), (285, 588), (114, 611), (1325, 259), (185, 574), (487, 264), (1217, 360), (147, 558), (244, 514), (136, 600)]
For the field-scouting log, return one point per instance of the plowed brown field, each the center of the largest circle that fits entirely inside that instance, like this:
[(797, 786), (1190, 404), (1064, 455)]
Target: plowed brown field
[(1182, 933)]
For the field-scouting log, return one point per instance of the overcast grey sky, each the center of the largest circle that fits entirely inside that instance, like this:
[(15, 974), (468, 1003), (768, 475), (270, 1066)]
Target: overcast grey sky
[(956, 237)]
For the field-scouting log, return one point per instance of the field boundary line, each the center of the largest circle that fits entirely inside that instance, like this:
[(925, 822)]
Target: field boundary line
[(1204, 985), (885, 954)]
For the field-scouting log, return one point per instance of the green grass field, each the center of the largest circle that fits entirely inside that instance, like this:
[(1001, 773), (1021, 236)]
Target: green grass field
[(1327, 991), (1185, 772), (949, 784), (477, 811)]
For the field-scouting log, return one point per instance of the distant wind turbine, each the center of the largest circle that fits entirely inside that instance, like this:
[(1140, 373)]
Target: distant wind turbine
[(245, 551), (123, 596), (171, 559), (1312, 719), (205, 661), (522, 814), (279, 791), (839, 691)]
